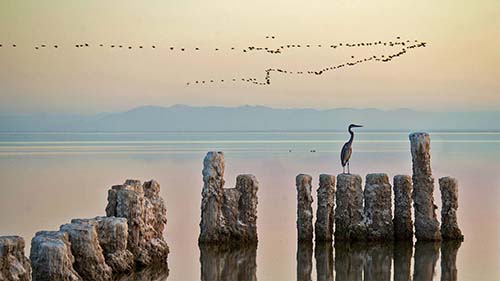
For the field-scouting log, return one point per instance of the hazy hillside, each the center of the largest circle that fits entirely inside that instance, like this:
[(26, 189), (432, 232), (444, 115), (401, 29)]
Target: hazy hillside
[(253, 118)]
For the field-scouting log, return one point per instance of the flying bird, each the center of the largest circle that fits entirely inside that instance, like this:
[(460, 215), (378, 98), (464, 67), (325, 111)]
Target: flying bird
[(345, 154)]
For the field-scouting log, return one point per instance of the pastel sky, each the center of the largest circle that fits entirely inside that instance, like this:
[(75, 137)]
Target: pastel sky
[(458, 70)]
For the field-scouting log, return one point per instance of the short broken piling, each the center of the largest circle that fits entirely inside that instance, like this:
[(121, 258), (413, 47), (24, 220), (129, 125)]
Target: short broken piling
[(449, 198), (228, 215), (403, 224), (349, 208), (378, 208), (304, 208), (325, 213), (426, 223)]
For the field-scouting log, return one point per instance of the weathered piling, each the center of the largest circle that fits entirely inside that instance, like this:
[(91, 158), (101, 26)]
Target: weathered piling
[(14, 266), (349, 208), (146, 216), (95, 248), (449, 198), (426, 223), (325, 213), (51, 257), (228, 215), (112, 233), (403, 224), (212, 197), (378, 208), (89, 258), (304, 208)]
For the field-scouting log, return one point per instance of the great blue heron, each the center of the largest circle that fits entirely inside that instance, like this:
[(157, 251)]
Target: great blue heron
[(346, 152)]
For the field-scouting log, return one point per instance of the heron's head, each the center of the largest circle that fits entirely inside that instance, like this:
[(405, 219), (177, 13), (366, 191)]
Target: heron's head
[(354, 126)]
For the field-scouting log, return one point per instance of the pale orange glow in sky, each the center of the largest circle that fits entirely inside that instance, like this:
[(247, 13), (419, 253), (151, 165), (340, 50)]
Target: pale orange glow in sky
[(458, 70)]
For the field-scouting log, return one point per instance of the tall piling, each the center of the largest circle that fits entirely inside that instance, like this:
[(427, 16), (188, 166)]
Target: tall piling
[(378, 208), (304, 208), (325, 213), (349, 208), (212, 197), (403, 224), (426, 223), (449, 198)]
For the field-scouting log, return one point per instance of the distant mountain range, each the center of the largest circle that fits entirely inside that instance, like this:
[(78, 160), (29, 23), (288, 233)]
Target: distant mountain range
[(251, 118)]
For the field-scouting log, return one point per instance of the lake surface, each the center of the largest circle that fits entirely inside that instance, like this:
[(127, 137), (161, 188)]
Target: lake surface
[(49, 178)]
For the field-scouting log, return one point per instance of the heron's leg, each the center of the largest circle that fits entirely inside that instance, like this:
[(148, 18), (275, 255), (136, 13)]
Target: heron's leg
[(348, 168), (343, 169)]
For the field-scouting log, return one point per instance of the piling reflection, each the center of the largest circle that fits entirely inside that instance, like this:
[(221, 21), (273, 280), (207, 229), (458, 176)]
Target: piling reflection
[(323, 253), (449, 251), (220, 263), (403, 251), (153, 273), (304, 261), (426, 256), (378, 262), (349, 259)]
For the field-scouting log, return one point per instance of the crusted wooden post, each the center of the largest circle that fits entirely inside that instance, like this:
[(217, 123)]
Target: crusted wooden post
[(325, 213), (426, 223), (304, 208), (403, 224), (349, 208), (449, 198)]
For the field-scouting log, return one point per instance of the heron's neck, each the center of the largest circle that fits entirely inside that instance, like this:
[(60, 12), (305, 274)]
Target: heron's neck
[(352, 135)]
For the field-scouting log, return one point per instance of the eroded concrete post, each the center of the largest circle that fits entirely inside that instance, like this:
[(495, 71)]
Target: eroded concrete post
[(403, 224), (325, 213), (304, 208), (89, 258), (349, 208), (228, 215), (449, 198), (14, 266), (146, 216), (212, 197), (51, 257), (426, 223), (247, 186), (378, 208)]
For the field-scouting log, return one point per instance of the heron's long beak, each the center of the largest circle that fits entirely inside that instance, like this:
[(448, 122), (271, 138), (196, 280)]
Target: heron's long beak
[(357, 126)]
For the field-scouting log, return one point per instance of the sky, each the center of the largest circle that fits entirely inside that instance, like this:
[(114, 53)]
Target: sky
[(458, 70)]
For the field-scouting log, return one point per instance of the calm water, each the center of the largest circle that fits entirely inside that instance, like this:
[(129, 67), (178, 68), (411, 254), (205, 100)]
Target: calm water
[(47, 179)]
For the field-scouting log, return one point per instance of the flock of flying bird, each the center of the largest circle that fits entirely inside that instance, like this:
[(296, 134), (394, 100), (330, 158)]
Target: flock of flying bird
[(404, 46)]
